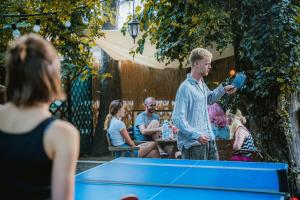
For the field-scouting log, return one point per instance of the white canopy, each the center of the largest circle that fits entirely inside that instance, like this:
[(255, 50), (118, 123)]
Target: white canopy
[(118, 46)]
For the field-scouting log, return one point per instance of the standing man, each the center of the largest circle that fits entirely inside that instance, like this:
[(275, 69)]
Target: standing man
[(196, 140), (146, 126)]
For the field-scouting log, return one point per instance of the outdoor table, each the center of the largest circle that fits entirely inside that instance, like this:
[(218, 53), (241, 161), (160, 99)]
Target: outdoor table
[(150, 178)]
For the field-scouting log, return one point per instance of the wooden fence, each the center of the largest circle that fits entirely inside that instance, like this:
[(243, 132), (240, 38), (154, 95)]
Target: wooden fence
[(139, 82)]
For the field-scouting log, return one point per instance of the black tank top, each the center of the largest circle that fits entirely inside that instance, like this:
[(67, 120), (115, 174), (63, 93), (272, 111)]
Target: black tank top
[(25, 169)]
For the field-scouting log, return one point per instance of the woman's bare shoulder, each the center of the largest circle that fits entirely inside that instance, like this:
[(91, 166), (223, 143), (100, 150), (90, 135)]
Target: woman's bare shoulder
[(62, 138), (242, 130), (63, 129)]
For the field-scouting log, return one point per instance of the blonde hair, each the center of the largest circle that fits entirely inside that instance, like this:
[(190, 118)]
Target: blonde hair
[(237, 120), (198, 54), (114, 107)]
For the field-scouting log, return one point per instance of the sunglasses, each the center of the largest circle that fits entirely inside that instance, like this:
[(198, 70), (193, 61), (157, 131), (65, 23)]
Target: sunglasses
[(152, 105)]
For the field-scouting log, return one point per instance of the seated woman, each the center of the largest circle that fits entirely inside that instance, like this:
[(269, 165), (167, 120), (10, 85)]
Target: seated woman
[(219, 122), (243, 146), (118, 133)]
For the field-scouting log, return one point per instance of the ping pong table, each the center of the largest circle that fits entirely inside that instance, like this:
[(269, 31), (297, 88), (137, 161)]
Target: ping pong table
[(183, 179)]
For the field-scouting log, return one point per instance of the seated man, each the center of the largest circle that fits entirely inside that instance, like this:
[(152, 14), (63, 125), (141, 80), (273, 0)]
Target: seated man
[(146, 127)]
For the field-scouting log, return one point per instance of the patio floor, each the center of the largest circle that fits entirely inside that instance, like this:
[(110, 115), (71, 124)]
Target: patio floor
[(87, 162)]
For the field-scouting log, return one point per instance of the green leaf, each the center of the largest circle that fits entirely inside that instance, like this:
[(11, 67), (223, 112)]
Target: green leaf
[(280, 80), (138, 9)]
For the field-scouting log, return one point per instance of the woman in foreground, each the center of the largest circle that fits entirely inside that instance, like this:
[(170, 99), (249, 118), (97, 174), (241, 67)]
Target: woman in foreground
[(38, 153)]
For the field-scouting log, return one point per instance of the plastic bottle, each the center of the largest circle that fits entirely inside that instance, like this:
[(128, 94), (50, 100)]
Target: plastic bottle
[(165, 130)]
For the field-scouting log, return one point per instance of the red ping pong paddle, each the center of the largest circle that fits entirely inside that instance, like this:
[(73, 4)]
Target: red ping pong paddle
[(129, 197)]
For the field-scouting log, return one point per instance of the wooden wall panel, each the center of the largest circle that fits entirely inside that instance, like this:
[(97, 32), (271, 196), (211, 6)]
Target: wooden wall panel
[(139, 82)]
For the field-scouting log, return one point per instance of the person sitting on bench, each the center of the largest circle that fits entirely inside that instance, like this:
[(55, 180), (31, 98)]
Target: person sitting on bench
[(118, 133), (243, 147), (146, 126)]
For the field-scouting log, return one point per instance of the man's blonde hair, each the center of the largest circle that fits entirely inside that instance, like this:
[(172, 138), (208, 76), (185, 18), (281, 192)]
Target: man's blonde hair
[(198, 54)]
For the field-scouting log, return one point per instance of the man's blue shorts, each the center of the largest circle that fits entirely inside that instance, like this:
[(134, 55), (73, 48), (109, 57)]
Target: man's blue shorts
[(135, 152)]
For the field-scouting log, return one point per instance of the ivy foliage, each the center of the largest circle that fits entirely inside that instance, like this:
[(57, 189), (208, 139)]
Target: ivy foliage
[(271, 43), (176, 27), (86, 17)]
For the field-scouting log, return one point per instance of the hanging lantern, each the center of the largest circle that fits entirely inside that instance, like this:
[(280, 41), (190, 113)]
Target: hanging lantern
[(133, 25), (134, 28)]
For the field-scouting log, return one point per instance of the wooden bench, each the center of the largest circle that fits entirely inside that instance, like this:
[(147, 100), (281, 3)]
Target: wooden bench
[(121, 150), (225, 149)]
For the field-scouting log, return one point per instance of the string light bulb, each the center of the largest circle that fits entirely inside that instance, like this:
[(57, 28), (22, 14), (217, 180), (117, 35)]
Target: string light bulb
[(67, 24), (37, 27), (16, 33), (232, 72), (85, 20)]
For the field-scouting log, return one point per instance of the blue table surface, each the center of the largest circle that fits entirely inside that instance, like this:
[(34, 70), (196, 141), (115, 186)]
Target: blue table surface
[(179, 179)]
